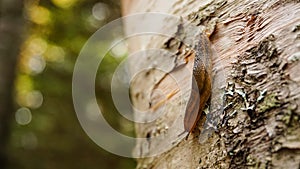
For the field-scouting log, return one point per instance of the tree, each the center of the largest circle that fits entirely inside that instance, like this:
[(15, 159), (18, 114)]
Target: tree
[(11, 29), (256, 65)]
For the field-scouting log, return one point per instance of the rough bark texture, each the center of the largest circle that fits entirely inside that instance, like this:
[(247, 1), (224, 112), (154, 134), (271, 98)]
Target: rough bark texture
[(11, 22), (258, 51)]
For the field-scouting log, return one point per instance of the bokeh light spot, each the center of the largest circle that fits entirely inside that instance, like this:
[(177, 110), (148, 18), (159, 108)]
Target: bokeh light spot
[(64, 3), (23, 116), (34, 99), (55, 54), (119, 50), (29, 141), (39, 15), (100, 11), (37, 46), (24, 83), (36, 64)]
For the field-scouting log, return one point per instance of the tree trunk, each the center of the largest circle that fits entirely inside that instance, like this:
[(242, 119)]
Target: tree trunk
[(256, 64), (11, 24)]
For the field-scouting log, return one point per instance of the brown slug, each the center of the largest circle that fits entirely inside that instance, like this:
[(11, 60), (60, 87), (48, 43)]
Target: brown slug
[(201, 83)]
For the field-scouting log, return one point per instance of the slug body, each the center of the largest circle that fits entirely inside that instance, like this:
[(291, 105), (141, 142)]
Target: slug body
[(201, 83)]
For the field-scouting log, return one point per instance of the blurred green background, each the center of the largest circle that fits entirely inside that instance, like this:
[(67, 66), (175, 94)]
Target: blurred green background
[(39, 43)]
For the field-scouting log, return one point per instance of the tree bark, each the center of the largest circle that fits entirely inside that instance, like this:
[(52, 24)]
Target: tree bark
[(11, 29), (257, 46)]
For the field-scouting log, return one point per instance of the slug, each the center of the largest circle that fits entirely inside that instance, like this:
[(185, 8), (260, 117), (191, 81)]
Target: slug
[(201, 84)]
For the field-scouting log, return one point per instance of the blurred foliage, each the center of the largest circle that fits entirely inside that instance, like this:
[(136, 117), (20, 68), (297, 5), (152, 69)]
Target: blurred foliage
[(46, 133)]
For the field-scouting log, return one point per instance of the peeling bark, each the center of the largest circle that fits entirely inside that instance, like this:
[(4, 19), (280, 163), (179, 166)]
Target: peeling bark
[(257, 47)]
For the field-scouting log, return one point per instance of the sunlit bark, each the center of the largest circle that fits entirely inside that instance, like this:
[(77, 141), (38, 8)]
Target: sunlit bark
[(257, 48)]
